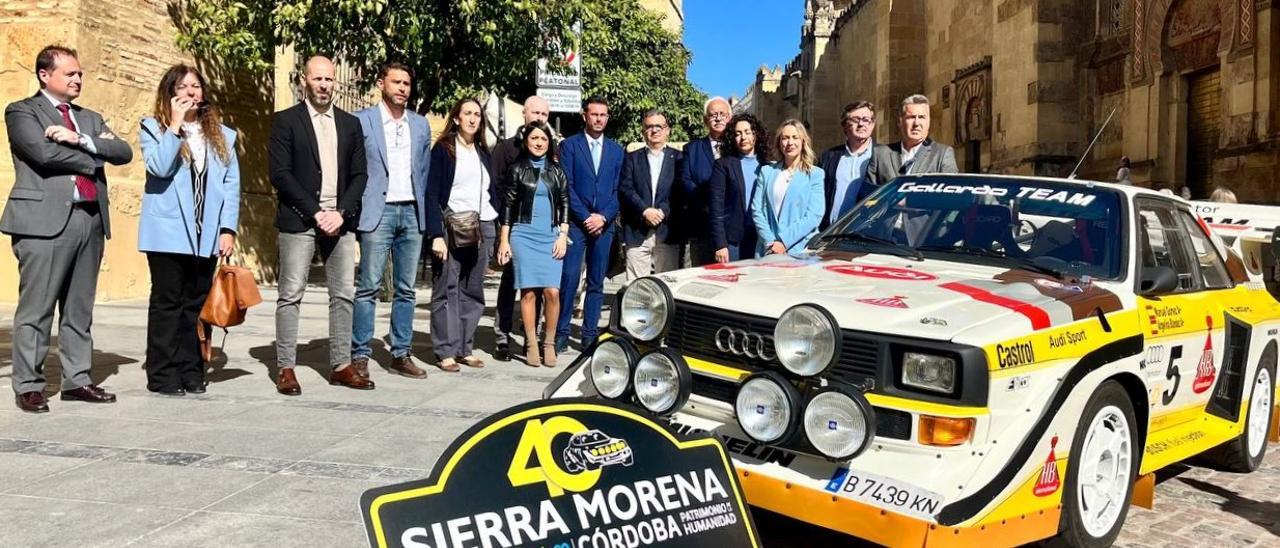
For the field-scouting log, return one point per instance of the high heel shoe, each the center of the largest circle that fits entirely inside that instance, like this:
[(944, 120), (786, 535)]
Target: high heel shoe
[(549, 354), (531, 357)]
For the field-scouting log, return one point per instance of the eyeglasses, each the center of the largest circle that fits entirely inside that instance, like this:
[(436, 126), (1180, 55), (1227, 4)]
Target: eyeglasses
[(717, 116), (655, 127), (859, 121)]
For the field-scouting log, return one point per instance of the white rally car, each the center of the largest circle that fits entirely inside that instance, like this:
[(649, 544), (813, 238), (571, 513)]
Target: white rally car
[(962, 360)]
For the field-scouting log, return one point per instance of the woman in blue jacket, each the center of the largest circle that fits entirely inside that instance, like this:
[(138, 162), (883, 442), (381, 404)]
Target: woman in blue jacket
[(190, 210), (789, 202)]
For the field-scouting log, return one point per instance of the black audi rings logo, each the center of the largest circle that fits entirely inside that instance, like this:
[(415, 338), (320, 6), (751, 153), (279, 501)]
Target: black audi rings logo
[(741, 342)]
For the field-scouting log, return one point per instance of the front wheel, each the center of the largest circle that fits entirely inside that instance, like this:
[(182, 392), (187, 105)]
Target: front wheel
[(1101, 470)]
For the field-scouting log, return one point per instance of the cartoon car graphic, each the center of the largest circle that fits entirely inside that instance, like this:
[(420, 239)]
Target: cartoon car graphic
[(594, 449), (969, 360)]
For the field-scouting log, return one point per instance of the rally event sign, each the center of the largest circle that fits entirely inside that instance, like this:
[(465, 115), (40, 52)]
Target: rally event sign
[(567, 473)]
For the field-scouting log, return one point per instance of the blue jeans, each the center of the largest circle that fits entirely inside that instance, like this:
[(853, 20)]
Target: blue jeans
[(595, 252), (397, 234)]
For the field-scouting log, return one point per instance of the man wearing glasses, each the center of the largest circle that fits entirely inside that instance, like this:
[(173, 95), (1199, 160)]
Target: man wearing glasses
[(846, 164), (392, 218), (700, 157), (648, 175)]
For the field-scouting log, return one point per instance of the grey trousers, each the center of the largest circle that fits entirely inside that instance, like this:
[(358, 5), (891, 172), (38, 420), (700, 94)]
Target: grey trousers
[(457, 297), (61, 271), (339, 256)]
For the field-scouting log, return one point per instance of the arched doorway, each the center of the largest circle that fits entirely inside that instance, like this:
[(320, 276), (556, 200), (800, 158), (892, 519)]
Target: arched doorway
[(1204, 112), (1192, 41)]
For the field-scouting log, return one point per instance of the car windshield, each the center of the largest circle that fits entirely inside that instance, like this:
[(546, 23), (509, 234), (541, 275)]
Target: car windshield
[(591, 437), (1059, 228)]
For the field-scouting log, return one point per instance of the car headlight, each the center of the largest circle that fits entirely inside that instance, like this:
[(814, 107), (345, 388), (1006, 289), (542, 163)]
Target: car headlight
[(610, 367), (767, 407), (806, 340), (929, 372), (662, 382), (839, 423), (646, 306)]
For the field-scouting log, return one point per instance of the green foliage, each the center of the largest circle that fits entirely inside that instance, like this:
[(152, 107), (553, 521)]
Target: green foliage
[(628, 58), (457, 47)]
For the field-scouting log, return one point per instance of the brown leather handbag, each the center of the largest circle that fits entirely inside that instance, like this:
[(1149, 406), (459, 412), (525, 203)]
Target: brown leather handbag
[(234, 291)]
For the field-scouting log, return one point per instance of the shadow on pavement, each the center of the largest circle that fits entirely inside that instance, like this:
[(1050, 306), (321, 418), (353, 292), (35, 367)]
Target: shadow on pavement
[(105, 364), (1260, 513)]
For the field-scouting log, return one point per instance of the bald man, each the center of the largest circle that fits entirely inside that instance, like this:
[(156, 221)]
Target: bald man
[(535, 109), (693, 200), (317, 164)]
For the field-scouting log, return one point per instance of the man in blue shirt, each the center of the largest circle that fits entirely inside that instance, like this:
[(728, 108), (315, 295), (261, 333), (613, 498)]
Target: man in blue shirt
[(846, 164), (592, 164)]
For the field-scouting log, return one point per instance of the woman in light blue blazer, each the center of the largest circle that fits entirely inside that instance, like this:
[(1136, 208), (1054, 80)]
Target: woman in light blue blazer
[(190, 210), (789, 203)]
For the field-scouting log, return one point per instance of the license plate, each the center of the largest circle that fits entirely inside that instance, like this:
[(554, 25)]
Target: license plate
[(885, 493)]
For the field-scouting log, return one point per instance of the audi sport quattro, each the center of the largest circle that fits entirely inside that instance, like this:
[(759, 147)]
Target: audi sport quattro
[(593, 449), (961, 360)]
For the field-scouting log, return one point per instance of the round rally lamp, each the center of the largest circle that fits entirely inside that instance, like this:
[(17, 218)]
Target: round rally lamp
[(610, 367), (662, 382), (839, 422), (806, 340), (767, 407), (646, 307)]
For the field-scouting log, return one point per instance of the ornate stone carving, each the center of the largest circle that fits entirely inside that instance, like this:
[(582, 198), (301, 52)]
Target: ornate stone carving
[(1174, 23), (972, 102)]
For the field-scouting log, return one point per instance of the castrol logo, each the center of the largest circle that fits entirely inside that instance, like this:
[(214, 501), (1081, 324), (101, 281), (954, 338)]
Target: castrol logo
[(882, 272)]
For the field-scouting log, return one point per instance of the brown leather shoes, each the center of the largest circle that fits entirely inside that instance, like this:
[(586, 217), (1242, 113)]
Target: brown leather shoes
[(287, 383), (404, 367), (362, 366), (33, 402), (348, 377), (88, 393)]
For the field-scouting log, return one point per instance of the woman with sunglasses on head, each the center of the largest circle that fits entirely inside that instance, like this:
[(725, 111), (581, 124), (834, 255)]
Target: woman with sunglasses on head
[(535, 235), (190, 211), (462, 205)]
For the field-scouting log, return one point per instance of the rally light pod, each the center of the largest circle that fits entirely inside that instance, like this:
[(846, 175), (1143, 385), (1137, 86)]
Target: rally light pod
[(662, 381), (645, 309), (610, 368), (839, 422), (767, 408), (807, 340)]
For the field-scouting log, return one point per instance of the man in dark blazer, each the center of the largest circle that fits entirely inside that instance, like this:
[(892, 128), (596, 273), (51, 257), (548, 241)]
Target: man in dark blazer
[(592, 163), (505, 153), (648, 176), (916, 152), (393, 216), (700, 156), (58, 216), (317, 164), (846, 164)]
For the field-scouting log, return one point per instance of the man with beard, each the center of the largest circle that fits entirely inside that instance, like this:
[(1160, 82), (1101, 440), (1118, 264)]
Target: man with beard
[(393, 217), (316, 160)]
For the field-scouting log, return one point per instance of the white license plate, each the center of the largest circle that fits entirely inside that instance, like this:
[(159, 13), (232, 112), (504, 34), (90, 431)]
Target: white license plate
[(885, 493)]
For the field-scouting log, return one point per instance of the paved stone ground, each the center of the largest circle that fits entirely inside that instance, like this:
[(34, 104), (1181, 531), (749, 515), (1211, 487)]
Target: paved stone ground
[(243, 466)]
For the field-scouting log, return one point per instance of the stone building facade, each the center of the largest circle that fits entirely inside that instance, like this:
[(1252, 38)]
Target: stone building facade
[(1022, 86)]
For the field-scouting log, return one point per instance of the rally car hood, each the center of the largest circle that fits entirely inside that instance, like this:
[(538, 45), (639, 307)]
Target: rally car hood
[(932, 299)]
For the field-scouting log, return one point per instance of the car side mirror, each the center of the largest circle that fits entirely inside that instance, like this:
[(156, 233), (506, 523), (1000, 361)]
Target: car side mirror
[(1157, 280)]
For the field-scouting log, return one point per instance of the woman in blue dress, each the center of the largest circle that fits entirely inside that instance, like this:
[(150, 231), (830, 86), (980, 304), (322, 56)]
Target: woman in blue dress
[(535, 234)]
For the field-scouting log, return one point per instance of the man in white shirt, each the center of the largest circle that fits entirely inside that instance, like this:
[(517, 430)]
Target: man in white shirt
[(648, 175), (916, 152), (397, 144)]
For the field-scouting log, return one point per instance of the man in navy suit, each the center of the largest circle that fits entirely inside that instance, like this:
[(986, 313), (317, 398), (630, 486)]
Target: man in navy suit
[(700, 157), (393, 216), (592, 164), (648, 176)]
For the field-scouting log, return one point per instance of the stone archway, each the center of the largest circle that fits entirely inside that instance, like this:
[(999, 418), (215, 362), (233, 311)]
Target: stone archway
[(1148, 57)]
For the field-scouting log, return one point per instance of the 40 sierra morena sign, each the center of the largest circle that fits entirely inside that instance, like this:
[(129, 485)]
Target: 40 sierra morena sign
[(567, 473)]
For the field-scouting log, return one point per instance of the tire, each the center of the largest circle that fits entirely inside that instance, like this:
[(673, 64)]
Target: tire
[(1245, 453), (571, 464), (1092, 515)]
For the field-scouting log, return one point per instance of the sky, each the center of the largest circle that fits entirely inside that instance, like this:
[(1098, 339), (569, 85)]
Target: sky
[(730, 39)]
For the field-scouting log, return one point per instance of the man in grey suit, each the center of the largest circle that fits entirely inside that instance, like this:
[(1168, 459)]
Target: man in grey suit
[(916, 153), (58, 216), (393, 216)]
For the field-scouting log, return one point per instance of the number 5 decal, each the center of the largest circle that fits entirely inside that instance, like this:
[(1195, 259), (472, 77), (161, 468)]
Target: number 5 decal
[(1172, 372)]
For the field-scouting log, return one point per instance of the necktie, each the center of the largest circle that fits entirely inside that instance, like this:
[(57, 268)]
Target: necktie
[(84, 185), (715, 149), (595, 156)]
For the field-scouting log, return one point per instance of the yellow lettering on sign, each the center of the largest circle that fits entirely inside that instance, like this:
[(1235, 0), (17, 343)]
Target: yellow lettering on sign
[(536, 440)]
